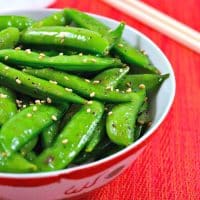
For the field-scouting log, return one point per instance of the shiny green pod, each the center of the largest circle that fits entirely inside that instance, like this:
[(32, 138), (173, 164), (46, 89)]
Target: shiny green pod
[(19, 22), (93, 89), (56, 19), (8, 106), (126, 52), (72, 139), (120, 122), (61, 62), (69, 37), (9, 38), (26, 125), (152, 82), (35, 87), (15, 164)]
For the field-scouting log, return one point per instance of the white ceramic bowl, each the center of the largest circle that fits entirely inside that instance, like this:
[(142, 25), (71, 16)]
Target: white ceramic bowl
[(79, 180)]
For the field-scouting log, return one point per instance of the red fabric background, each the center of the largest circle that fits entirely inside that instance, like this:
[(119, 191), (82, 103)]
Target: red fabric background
[(170, 167)]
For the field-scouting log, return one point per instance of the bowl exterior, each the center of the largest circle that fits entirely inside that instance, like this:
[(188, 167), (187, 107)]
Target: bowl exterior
[(80, 180)]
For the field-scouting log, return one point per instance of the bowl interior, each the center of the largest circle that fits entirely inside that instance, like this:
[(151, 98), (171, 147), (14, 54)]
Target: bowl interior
[(161, 103)]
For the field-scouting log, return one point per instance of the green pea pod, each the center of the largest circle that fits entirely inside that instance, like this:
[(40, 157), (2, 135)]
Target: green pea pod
[(96, 136), (151, 81), (115, 35), (111, 77), (56, 19), (107, 78), (84, 156), (19, 22), (72, 139), (48, 134), (9, 38), (79, 85), (29, 146), (16, 164), (123, 49), (65, 63), (8, 106), (120, 124), (35, 87), (70, 37), (26, 125), (144, 116)]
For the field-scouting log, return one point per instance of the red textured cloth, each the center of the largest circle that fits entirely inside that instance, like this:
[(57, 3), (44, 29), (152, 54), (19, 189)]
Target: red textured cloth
[(170, 166)]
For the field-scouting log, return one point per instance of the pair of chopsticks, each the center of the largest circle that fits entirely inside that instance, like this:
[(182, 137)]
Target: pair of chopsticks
[(159, 21)]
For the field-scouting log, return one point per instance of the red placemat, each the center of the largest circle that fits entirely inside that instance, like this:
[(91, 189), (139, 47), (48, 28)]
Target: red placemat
[(170, 167)]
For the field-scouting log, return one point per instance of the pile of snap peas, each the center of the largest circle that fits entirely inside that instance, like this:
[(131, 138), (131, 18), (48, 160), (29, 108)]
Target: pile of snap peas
[(72, 91)]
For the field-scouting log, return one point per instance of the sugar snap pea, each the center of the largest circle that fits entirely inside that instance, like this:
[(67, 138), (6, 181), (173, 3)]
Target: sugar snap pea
[(8, 106), (56, 19), (70, 37), (107, 78), (48, 134), (9, 38), (36, 87), (89, 89), (123, 49), (26, 125), (120, 123), (151, 81), (61, 62), (15, 164), (72, 139), (19, 22)]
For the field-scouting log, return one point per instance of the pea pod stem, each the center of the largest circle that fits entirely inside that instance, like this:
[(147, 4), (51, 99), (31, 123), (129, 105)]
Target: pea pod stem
[(60, 62), (35, 87)]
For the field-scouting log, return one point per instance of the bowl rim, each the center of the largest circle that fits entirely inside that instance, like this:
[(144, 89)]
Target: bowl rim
[(123, 151)]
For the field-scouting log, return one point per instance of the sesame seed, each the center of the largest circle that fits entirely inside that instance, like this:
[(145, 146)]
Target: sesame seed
[(110, 113), (85, 60), (68, 89), (142, 86), (28, 51), (29, 115), (43, 101), (117, 90), (54, 82), (80, 54), (121, 70), (18, 81), (3, 96), (4, 154), (96, 81), (94, 60), (54, 118), (24, 106), (66, 78), (89, 102), (6, 58), (34, 108), (61, 54), (37, 101), (88, 110), (120, 45), (42, 54), (49, 100), (129, 90), (64, 141), (87, 80), (109, 88), (62, 40), (18, 48), (128, 84), (18, 101), (92, 94)]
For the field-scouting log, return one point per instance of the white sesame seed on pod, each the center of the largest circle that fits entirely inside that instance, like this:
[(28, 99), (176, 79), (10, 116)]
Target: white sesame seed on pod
[(92, 94), (88, 110), (54, 118), (87, 80), (49, 100), (28, 51), (110, 113), (68, 89), (64, 141), (29, 115), (3, 96), (141, 86), (18, 81), (129, 90), (54, 82), (34, 108)]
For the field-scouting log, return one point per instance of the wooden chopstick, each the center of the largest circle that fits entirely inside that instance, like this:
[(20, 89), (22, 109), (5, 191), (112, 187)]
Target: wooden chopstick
[(159, 21)]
